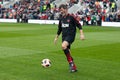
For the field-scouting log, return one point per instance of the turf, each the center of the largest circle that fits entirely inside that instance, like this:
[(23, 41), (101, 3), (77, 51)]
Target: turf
[(23, 46)]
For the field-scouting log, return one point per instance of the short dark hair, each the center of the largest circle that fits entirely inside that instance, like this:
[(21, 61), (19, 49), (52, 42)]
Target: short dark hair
[(64, 6)]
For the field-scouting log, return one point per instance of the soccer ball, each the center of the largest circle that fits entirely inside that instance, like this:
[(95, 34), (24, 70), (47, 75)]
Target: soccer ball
[(46, 63)]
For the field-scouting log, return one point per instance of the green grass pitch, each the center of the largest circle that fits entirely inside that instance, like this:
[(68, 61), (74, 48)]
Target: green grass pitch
[(23, 46)]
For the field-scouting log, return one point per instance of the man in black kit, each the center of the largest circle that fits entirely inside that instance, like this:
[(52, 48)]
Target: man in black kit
[(67, 26)]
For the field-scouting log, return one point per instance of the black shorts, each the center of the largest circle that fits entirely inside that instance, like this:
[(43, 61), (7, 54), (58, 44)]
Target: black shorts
[(69, 39)]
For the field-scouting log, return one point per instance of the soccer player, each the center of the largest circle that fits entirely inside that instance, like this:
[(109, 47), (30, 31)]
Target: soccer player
[(67, 26)]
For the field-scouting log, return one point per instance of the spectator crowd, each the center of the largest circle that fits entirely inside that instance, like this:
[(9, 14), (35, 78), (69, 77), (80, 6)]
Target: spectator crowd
[(96, 11), (93, 12)]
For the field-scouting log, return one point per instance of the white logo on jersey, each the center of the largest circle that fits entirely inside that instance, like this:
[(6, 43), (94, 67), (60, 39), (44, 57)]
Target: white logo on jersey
[(65, 25)]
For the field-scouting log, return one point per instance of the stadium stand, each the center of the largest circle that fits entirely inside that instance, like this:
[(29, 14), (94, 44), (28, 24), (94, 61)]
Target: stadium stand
[(75, 8), (58, 2), (7, 3), (88, 11)]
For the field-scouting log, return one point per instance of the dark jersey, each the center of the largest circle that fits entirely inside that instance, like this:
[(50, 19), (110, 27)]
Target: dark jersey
[(67, 25)]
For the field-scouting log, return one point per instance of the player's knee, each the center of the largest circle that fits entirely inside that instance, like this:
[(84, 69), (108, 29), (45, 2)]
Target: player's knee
[(64, 47)]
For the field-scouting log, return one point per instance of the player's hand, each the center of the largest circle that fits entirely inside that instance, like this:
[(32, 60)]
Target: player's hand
[(82, 37), (55, 40)]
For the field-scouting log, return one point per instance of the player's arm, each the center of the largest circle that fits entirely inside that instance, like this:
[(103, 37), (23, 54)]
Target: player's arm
[(81, 35), (80, 28), (58, 32)]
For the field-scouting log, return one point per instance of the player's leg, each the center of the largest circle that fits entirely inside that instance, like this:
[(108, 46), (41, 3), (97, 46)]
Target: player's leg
[(66, 49)]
